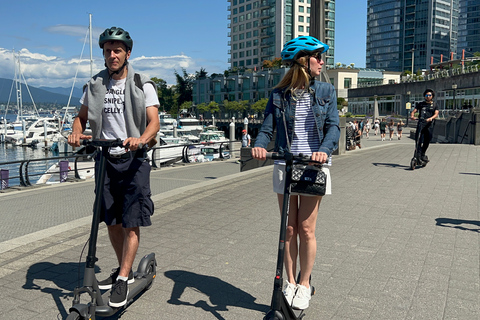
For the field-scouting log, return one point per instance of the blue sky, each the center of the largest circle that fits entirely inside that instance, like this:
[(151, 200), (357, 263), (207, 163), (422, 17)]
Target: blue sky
[(167, 35)]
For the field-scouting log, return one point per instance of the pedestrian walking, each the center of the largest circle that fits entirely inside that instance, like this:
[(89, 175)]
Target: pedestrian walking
[(383, 127), (391, 128), (400, 126)]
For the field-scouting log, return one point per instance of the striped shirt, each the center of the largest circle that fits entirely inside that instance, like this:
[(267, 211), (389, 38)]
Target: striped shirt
[(305, 136)]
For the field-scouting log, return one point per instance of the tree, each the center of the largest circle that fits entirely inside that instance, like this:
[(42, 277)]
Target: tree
[(231, 106), (184, 87), (341, 102), (202, 74), (212, 107), (275, 63), (187, 105), (260, 105), (235, 106), (166, 95)]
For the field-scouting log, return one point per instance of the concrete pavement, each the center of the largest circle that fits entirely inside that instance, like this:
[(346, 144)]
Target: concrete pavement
[(392, 244)]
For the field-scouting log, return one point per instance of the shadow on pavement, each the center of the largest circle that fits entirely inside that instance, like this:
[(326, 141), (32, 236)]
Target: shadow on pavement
[(392, 165), (457, 224), (220, 293), (65, 277), (470, 173)]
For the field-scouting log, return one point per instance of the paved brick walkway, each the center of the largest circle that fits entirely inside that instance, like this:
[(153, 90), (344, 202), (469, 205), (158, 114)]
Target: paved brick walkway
[(392, 243)]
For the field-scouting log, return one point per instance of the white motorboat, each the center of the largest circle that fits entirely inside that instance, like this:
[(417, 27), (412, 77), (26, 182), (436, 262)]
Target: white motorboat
[(191, 124), (166, 121), (212, 135), (35, 133), (186, 134)]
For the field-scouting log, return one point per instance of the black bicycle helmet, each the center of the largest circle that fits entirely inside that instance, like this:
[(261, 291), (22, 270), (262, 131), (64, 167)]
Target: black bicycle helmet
[(427, 91), (116, 34)]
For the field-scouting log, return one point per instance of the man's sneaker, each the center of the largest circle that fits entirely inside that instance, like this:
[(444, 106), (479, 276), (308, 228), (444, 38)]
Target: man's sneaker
[(302, 297), (107, 283), (119, 294), (424, 158), (289, 292)]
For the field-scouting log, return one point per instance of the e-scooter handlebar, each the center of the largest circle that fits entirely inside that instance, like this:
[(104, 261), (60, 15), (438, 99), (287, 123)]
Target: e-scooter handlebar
[(108, 143), (288, 156)]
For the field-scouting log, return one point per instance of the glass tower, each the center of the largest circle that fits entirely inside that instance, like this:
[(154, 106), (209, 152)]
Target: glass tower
[(410, 34), (259, 29), (469, 28)]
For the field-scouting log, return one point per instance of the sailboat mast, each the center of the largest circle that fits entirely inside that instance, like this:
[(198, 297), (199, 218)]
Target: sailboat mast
[(91, 55), (18, 86)]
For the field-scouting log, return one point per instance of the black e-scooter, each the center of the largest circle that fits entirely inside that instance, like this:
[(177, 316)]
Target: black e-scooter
[(146, 271), (417, 155), (280, 309)]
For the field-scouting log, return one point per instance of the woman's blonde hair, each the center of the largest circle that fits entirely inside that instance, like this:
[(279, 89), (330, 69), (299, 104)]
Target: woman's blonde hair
[(297, 77)]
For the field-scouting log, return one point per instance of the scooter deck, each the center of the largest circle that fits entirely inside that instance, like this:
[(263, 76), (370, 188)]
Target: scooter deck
[(133, 291)]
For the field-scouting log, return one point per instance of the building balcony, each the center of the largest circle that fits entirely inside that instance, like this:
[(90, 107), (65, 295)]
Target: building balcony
[(267, 4)]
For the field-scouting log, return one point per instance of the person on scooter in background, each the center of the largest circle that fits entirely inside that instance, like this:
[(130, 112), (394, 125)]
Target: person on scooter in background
[(311, 115), (427, 112), (116, 107)]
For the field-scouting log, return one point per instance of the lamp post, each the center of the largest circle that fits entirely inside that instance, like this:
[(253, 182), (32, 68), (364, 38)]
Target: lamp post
[(413, 59), (408, 105), (454, 87)]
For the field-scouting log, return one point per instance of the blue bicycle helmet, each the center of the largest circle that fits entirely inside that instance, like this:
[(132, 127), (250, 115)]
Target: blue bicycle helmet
[(303, 45)]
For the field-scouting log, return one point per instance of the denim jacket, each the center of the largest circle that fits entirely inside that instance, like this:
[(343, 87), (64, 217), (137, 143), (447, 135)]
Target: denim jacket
[(324, 107)]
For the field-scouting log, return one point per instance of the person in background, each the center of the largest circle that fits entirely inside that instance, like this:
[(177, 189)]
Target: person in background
[(245, 139), (383, 127), (116, 107), (427, 112), (311, 127), (400, 126), (366, 129), (391, 128), (376, 126)]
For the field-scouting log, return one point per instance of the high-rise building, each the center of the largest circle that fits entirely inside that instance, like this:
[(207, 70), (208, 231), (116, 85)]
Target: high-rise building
[(259, 29), (410, 34), (469, 27)]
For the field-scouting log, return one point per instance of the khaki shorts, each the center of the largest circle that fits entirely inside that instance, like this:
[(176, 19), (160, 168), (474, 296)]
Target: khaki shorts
[(279, 179)]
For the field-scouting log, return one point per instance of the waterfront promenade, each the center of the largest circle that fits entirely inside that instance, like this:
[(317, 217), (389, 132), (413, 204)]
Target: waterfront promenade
[(392, 243)]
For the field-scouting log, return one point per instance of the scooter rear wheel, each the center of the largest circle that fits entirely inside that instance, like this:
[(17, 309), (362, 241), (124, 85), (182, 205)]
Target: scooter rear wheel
[(150, 270)]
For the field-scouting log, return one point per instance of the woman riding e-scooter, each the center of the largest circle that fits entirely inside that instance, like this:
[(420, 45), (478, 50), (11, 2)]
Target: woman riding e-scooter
[(427, 112)]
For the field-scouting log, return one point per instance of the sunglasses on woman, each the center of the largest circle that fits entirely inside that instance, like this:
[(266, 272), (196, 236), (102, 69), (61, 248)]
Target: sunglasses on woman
[(317, 55)]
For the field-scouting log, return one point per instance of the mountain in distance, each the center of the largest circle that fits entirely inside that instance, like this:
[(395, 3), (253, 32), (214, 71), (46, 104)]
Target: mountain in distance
[(40, 95), (77, 91)]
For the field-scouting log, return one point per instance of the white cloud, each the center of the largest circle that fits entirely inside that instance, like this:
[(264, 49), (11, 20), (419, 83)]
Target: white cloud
[(53, 71)]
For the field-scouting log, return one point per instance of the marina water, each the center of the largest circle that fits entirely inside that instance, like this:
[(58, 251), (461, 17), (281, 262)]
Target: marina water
[(16, 153)]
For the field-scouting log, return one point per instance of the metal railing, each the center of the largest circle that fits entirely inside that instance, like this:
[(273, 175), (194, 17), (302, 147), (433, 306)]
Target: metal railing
[(23, 167), (25, 176)]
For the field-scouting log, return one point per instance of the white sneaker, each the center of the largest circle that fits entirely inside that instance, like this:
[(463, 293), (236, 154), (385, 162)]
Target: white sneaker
[(289, 292), (302, 297)]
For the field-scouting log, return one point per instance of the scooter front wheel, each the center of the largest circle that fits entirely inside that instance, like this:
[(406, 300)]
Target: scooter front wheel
[(413, 163), (74, 316)]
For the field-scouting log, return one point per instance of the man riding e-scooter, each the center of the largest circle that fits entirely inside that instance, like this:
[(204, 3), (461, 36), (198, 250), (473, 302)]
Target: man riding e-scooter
[(427, 112)]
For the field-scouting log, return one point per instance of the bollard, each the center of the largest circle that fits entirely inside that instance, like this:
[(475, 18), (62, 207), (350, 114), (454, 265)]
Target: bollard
[(63, 170), (232, 138), (45, 133), (4, 179)]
